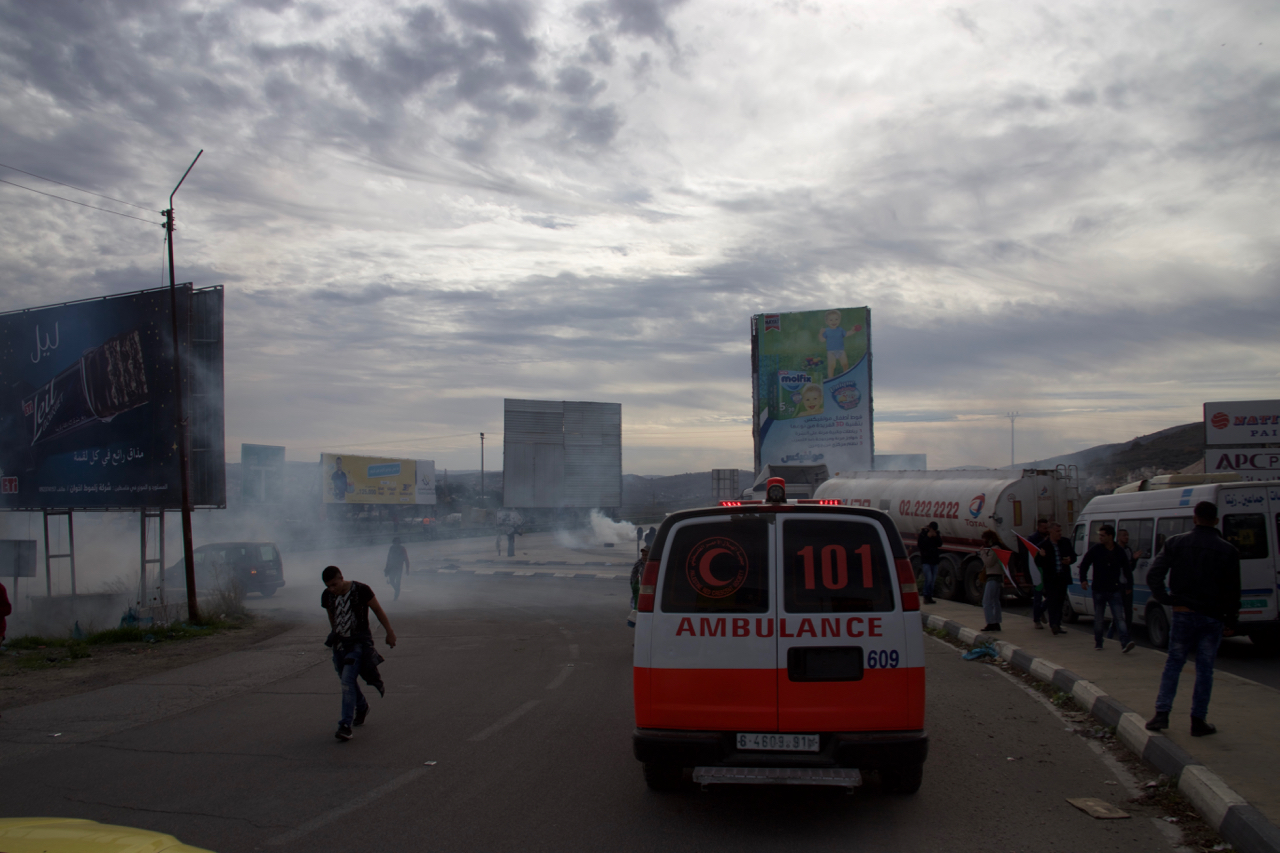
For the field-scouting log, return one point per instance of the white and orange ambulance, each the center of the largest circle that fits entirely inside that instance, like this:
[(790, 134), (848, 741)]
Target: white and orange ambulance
[(779, 642)]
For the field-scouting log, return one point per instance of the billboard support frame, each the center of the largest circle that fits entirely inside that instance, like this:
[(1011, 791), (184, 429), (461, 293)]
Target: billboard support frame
[(71, 550)]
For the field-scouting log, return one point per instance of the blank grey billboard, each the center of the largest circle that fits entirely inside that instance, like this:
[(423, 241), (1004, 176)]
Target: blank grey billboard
[(561, 454)]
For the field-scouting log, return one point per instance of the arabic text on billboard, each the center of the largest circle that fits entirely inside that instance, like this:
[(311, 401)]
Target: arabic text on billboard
[(87, 404), (812, 389), (1246, 422), (376, 480)]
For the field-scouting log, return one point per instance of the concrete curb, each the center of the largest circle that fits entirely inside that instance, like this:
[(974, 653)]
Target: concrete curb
[(527, 572), (1240, 824)]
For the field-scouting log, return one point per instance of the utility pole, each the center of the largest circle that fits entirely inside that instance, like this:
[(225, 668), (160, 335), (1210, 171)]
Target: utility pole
[(1012, 416), (184, 462), (482, 470)]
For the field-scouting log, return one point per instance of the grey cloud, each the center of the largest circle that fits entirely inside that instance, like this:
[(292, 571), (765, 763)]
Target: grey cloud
[(578, 83), (599, 49), (644, 18)]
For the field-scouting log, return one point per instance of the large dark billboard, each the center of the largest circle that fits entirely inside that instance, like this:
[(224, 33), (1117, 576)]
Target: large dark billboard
[(88, 402)]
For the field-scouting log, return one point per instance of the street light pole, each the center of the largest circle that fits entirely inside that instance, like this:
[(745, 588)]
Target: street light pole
[(184, 462), (482, 470), (1012, 416)]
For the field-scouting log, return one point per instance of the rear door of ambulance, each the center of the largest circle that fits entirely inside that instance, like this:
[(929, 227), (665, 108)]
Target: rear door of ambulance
[(713, 656), (850, 658)]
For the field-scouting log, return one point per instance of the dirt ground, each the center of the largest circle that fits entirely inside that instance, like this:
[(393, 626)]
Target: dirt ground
[(120, 662)]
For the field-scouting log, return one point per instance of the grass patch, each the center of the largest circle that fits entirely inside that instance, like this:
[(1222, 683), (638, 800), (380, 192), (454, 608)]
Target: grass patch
[(79, 648)]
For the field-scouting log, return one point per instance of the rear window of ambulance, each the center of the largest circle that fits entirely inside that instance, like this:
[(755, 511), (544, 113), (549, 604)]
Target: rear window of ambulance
[(835, 567), (718, 567)]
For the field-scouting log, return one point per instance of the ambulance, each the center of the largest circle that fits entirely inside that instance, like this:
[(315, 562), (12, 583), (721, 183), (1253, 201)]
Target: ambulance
[(779, 642)]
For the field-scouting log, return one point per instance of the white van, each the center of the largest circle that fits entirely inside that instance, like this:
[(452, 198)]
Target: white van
[(779, 643), (1249, 518)]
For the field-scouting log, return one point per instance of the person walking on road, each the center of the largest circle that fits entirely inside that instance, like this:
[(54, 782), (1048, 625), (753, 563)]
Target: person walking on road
[(1037, 591), (1126, 589), (1204, 591), (1111, 564), (1054, 561), (993, 578), (397, 562), (348, 604), (929, 543)]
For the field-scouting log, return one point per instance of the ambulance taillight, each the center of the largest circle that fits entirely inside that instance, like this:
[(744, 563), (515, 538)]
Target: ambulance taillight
[(648, 583), (907, 583)]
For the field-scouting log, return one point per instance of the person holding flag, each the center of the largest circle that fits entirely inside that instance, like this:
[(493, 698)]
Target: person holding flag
[(995, 565), (1054, 564)]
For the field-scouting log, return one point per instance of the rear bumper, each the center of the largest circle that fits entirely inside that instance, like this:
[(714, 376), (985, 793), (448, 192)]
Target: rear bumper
[(861, 750)]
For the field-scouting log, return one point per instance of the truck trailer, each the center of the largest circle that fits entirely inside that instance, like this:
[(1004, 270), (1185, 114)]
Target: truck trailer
[(964, 504)]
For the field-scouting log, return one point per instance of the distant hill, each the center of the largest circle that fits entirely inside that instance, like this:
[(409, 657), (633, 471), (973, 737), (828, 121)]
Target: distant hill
[(1106, 466)]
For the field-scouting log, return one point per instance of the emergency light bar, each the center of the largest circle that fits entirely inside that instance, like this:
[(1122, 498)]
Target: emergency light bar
[(739, 503), (819, 501)]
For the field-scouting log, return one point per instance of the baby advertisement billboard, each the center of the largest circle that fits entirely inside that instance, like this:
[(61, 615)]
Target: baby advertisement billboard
[(375, 480), (812, 389), (87, 408)]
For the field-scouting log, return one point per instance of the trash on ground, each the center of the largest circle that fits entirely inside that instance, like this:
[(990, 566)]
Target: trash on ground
[(430, 763), (1095, 808), (983, 651)]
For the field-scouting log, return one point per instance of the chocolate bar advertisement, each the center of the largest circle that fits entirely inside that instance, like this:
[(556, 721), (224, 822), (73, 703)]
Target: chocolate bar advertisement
[(87, 402)]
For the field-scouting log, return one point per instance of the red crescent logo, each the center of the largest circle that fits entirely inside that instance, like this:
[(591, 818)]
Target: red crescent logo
[(704, 567), (716, 552)]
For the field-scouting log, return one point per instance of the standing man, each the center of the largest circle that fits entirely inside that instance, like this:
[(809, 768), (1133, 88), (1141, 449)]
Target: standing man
[(1126, 589), (397, 562), (512, 533), (348, 604), (929, 543), (1054, 561), (1112, 564), (1037, 591), (1204, 591)]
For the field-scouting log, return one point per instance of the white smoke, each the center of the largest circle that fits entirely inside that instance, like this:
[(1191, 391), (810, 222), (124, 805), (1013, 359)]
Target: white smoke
[(600, 530)]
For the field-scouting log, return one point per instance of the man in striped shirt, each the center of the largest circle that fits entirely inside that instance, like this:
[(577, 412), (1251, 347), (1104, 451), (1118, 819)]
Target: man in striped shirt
[(348, 604)]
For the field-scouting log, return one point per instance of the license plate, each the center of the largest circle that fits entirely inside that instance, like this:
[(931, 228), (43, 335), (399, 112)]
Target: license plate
[(778, 742)]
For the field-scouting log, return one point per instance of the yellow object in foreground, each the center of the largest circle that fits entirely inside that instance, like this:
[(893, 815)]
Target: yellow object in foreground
[(70, 835)]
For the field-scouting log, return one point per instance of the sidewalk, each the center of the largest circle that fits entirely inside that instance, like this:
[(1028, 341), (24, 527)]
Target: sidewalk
[(1244, 752)]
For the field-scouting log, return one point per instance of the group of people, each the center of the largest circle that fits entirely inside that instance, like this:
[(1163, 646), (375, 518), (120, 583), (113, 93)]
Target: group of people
[(1196, 574)]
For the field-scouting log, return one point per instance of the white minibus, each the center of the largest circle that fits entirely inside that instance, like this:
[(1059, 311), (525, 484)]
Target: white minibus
[(1248, 517)]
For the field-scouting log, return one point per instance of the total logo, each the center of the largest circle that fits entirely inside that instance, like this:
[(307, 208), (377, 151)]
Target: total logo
[(975, 505)]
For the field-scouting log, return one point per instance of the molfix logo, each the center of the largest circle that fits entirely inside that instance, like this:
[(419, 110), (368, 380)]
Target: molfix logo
[(975, 505)]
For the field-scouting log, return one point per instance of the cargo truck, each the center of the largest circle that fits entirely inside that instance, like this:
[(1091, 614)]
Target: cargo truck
[(964, 504)]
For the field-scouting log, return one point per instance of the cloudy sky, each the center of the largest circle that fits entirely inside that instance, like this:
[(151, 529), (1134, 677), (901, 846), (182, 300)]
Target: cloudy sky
[(417, 209)]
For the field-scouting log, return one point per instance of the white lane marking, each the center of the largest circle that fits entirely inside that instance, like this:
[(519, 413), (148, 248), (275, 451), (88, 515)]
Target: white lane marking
[(573, 650), (561, 678), (505, 721), (346, 809)]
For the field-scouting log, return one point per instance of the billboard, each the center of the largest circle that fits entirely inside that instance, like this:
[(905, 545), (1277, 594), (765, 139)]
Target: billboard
[(345, 478), (1250, 463), (1248, 422), (811, 389), (87, 402), (261, 473)]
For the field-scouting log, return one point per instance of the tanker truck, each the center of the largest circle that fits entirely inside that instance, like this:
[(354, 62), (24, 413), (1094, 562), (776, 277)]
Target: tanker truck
[(964, 504)]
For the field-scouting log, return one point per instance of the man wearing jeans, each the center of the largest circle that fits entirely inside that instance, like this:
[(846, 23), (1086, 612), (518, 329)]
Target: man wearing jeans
[(348, 604), (929, 542), (1204, 592), (1111, 564)]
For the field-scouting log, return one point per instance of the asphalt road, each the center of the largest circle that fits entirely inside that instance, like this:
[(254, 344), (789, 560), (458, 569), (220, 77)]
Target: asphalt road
[(518, 688)]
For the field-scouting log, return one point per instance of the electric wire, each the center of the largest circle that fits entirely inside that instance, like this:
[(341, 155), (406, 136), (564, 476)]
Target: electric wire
[(82, 204), (73, 187)]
